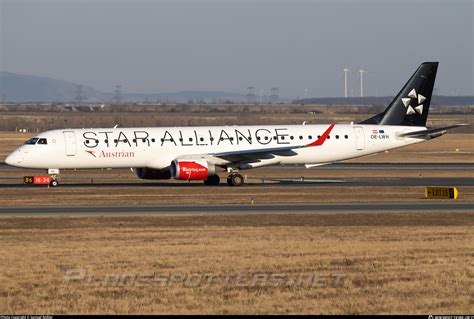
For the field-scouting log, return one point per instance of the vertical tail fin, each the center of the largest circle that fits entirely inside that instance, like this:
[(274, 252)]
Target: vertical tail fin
[(411, 105)]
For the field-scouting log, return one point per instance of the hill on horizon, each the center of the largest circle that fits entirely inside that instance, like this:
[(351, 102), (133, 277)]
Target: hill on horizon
[(18, 88)]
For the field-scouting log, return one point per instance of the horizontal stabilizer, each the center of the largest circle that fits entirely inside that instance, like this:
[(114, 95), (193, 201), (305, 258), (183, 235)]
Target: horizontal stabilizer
[(431, 132)]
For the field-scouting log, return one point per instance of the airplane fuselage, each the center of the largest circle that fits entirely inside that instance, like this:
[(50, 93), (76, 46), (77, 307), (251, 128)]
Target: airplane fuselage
[(157, 147)]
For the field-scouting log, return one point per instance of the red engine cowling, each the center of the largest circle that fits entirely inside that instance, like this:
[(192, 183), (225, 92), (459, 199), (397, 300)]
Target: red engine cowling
[(192, 170), (150, 173)]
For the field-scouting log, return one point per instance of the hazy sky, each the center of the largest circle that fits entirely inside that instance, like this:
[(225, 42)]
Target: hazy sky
[(162, 46)]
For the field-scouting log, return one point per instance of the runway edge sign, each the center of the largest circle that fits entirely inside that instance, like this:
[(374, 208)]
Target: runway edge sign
[(441, 192)]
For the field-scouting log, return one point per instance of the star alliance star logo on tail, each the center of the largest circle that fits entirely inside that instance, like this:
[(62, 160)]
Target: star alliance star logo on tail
[(419, 99)]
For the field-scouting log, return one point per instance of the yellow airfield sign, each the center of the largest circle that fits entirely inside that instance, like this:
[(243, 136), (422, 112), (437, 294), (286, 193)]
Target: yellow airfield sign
[(441, 192)]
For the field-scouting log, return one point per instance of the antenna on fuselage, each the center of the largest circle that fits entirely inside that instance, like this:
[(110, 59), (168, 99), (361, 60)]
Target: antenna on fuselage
[(304, 123), (115, 125)]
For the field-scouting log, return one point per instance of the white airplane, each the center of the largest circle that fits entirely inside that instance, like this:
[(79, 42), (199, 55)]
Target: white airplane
[(199, 153)]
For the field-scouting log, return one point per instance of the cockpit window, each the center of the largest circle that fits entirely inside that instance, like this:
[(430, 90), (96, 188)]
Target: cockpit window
[(32, 141), (36, 140)]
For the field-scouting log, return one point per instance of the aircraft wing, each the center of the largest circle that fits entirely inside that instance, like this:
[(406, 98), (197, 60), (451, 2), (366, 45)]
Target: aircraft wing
[(256, 155), (431, 132)]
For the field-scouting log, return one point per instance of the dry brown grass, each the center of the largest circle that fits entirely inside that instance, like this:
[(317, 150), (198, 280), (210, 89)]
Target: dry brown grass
[(387, 263), (200, 194)]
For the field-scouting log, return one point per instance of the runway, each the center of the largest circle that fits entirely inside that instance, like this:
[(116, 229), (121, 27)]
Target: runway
[(256, 180), (268, 181), (435, 206)]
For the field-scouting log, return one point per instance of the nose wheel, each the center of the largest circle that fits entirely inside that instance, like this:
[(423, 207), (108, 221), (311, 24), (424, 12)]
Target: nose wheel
[(54, 183), (235, 179)]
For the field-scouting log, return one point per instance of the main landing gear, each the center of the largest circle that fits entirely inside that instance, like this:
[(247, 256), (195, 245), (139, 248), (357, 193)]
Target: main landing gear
[(235, 179)]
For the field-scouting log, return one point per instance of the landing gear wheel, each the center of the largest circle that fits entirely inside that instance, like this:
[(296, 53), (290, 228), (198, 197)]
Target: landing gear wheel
[(235, 180), (54, 183), (212, 180)]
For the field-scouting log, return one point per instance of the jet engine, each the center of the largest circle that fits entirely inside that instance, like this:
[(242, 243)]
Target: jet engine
[(192, 170)]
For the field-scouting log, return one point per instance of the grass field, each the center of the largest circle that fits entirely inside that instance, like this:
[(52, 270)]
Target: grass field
[(325, 263), (201, 195)]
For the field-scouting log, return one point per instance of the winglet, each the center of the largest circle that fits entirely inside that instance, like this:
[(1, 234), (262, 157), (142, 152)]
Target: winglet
[(323, 137)]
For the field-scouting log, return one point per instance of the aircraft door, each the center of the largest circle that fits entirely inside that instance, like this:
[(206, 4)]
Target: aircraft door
[(359, 137), (70, 143)]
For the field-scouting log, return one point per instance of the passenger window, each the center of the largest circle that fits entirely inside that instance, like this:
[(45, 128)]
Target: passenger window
[(346, 137), (337, 137)]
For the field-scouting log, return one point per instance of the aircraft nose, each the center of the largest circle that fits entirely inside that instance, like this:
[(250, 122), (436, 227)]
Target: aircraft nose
[(13, 158), (9, 160)]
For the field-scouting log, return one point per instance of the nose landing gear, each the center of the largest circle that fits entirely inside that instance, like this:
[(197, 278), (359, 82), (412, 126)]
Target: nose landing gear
[(54, 172)]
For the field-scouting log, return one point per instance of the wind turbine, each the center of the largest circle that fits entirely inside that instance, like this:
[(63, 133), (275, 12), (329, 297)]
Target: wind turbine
[(346, 70), (361, 71)]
